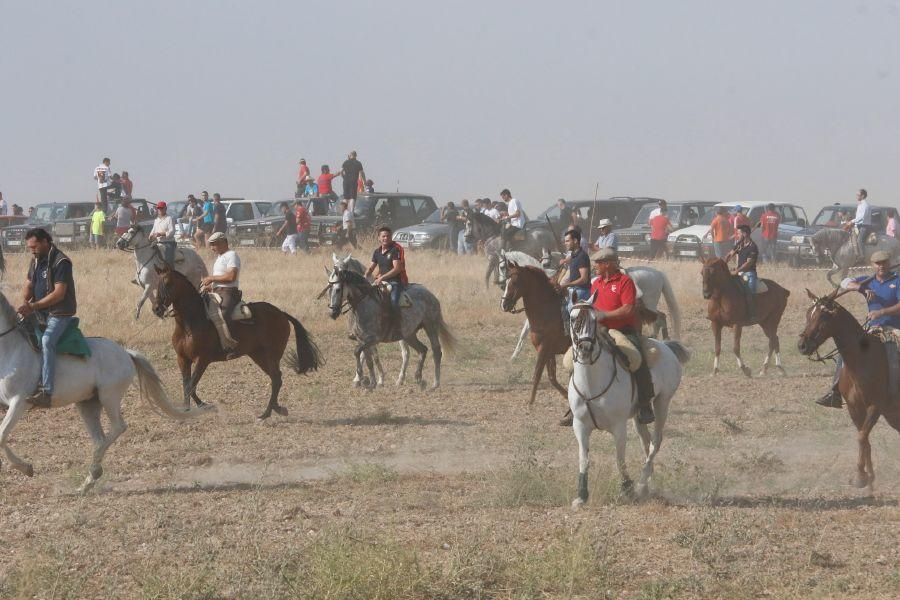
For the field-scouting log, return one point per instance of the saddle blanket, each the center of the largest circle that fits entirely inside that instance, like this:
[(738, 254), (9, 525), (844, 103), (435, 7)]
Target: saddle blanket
[(632, 356), (761, 287), (72, 341), (241, 311)]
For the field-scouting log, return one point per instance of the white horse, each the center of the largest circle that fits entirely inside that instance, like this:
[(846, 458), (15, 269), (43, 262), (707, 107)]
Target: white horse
[(652, 285), (350, 263), (96, 384), (603, 396), (148, 258)]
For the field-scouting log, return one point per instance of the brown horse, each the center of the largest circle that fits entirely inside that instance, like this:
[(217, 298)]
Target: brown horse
[(863, 378), (544, 312), (727, 307), (263, 338)]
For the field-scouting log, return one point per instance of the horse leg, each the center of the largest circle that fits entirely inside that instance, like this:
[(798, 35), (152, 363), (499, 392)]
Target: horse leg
[(14, 412), (717, 338), (199, 370), (526, 328), (184, 365), (109, 400), (404, 361), (264, 361), (771, 332), (583, 435), (141, 300), (865, 475), (538, 371), (379, 370), (360, 353), (422, 350), (551, 375), (437, 352), (738, 330), (620, 435)]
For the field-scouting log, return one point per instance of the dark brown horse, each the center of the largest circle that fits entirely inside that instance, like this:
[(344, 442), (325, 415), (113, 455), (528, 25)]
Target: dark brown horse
[(544, 312), (727, 307), (863, 378), (263, 338)]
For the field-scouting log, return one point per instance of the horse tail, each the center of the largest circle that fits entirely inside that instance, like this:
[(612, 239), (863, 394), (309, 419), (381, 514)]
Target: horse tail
[(152, 390), (680, 350), (672, 304), (448, 340), (307, 357)]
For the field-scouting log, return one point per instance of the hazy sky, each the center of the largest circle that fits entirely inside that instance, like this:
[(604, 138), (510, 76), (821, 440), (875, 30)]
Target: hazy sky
[(784, 100)]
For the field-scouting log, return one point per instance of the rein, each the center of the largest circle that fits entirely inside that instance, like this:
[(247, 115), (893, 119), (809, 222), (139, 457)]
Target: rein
[(10, 330)]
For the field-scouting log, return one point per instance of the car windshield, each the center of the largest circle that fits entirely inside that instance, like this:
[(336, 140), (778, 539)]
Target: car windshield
[(830, 217), (363, 206), (275, 209), (434, 217), (48, 212), (643, 216)]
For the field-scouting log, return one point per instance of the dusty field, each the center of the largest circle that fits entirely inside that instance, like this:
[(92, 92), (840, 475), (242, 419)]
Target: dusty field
[(456, 493)]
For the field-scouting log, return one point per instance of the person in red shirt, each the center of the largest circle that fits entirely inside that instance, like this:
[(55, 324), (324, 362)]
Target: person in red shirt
[(324, 183), (615, 295), (660, 227), (127, 184), (737, 220), (304, 222), (302, 178), (769, 222)]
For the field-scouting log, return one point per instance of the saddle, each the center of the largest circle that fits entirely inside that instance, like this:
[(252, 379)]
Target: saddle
[(629, 354), (241, 311), (890, 337), (386, 287), (72, 341)]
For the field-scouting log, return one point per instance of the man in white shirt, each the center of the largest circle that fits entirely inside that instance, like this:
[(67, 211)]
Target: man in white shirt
[(862, 221), (655, 212), (492, 210), (224, 281), (163, 233), (515, 216), (3, 208), (104, 180)]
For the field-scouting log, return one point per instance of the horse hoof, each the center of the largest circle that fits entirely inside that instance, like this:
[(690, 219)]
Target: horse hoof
[(746, 371), (577, 504), (263, 417), (782, 371), (421, 384), (28, 471), (859, 481), (280, 410), (96, 472)]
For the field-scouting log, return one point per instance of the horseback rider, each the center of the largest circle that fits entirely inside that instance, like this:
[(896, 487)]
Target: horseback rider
[(882, 292), (224, 281), (617, 300), (748, 255), (862, 221), (163, 234), (49, 294), (515, 219), (578, 282), (391, 263)]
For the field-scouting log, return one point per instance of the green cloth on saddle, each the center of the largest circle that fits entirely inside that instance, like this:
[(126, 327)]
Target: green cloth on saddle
[(72, 341)]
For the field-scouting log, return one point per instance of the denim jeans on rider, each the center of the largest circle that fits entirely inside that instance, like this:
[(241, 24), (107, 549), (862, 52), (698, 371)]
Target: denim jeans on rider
[(168, 251), (56, 326), (396, 290), (751, 279)]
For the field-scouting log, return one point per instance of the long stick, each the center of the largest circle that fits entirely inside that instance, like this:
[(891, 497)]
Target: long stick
[(590, 231)]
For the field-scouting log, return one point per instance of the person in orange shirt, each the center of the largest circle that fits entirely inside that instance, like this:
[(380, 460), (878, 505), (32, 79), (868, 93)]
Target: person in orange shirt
[(737, 220), (660, 227), (722, 231), (769, 222)]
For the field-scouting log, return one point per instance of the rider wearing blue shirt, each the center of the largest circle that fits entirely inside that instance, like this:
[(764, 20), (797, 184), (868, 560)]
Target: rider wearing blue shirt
[(579, 266), (882, 294)]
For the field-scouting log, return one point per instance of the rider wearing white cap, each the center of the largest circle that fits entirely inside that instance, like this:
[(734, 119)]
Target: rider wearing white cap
[(606, 239)]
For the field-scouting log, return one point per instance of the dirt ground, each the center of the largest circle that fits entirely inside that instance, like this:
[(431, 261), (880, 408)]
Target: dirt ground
[(462, 492)]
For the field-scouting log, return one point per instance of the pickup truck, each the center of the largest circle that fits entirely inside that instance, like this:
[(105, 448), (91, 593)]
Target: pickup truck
[(48, 216), (260, 231), (396, 210)]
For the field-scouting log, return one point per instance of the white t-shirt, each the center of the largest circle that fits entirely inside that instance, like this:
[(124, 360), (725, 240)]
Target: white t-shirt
[(493, 213), (101, 174), (653, 213), (514, 207), (166, 227), (226, 261)]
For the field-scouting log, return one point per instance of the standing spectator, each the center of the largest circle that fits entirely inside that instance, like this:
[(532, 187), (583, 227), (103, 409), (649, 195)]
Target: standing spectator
[(302, 178), (323, 181), (3, 207), (660, 227), (450, 216), (204, 219), (348, 233), (124, 216), (115, 188), (769, 222), (312, 188), (127, 185), (17, 211), (191, 210), (351, 172), (98, 220), (370, 186), (289, 229), (304, 223), (104, 179), (862, 220), (493, 211), (607, 238), (722, 232), (220, 212), (659, 206), (738, 218), (891, 229)]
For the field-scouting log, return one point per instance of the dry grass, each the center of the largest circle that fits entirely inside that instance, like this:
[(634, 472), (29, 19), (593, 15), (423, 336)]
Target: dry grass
[(459, 493)]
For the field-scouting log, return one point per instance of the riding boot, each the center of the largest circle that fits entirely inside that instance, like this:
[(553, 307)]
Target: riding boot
[(644, 382), (228, 342), (832, 399), (40, 399)]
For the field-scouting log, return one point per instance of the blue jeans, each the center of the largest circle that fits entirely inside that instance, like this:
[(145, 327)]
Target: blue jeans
[(303, 240), (56, 326), (751, 279), (462, 246), (396, 290)]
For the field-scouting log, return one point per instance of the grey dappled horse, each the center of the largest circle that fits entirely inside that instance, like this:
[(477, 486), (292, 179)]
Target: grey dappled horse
[(843, 252), (365, 304)]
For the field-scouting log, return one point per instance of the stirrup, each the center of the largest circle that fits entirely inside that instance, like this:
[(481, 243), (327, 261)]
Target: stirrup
[(831, 400)]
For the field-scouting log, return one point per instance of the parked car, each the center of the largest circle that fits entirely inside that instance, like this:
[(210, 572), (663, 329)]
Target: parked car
[(396, 210), (430, 233), (260, 231), (46, 215), (621, 210), (800, 250), (635, 240), (687, 242), (74, 232)]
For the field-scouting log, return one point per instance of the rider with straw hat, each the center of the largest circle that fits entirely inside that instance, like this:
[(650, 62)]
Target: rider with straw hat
[(882, 292), (607, 238)]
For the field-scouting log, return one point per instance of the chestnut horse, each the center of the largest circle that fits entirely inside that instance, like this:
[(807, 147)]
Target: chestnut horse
[(727, 307), (263, 338), (863, 378), (544, 312)]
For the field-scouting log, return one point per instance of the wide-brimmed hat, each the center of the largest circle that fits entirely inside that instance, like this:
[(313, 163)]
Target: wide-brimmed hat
[(604, 223), (217, 237), (880, 256), (604, 254)]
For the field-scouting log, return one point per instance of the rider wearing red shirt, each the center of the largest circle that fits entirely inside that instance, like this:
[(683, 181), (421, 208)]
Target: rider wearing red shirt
[(616, 298)]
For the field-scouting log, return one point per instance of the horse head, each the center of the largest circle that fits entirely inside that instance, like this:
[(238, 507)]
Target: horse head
[(171, 286), (126, 240), (588, 333), (821, 321), (715, 275), (335, 290), (512, 291)]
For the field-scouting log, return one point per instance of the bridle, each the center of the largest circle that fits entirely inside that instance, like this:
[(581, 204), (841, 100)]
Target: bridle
[(505, 299), (128, 248)]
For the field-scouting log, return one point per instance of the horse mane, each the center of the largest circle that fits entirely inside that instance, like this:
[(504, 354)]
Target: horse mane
[(483, 220), (353, 278), (830, 235), (9, 313)]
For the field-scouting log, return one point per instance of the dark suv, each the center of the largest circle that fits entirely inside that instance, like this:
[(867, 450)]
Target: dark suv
[(635, 240), (621, 210), (47, 216), (395, 210), (260, 231)]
